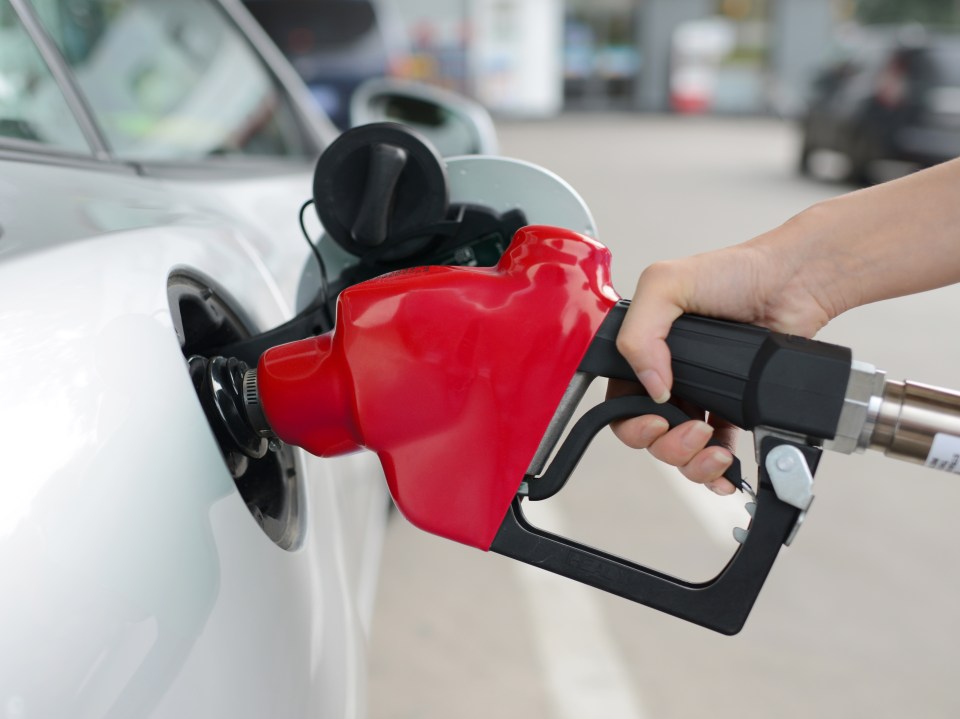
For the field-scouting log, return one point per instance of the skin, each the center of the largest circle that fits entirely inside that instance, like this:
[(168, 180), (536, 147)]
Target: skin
[(886, 241)]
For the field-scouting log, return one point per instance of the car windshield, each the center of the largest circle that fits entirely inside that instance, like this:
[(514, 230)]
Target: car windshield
[(172, 80)]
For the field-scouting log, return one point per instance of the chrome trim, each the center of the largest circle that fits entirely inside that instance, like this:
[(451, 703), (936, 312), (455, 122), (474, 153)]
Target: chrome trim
[(37, 153), (861, 405), (64, 78)]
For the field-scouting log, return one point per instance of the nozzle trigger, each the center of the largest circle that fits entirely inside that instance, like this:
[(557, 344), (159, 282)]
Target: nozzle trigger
[(587, 427)]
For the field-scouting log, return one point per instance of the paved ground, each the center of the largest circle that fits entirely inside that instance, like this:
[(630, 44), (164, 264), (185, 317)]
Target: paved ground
[(859, 616)]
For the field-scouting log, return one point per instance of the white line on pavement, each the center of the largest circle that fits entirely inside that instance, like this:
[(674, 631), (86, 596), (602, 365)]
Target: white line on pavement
[(583, 670)]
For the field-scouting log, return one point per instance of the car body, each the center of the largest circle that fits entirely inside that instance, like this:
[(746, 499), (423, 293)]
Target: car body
[(895, 96), (149, 208), (148, 204)]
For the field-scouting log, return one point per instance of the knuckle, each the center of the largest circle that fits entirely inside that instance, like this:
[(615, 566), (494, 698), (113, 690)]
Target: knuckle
[(656, 272), (639, 432), (629, 345), (691, 474), (671, 452), (629, 436), (661, 276)]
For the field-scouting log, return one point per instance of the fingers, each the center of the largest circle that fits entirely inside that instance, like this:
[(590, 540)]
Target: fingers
[(663, 293), (726, 434), (707, 468), (640, 432), (684, 446)]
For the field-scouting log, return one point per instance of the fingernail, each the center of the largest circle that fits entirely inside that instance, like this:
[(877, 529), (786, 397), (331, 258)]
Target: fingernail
[(652, 429), (717, 461), (655, 386), (696, 436)]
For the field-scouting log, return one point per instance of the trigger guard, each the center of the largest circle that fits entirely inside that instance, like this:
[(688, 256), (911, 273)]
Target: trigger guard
[(586, 428), (721, 604)]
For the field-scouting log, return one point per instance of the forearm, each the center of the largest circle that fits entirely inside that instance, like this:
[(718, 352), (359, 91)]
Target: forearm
[(885, 241)]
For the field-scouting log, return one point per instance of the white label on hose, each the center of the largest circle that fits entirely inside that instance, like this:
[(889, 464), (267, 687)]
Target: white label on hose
[(945, 453)]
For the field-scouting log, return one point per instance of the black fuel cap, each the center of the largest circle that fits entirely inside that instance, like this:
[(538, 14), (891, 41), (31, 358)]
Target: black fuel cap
[(380, 190)]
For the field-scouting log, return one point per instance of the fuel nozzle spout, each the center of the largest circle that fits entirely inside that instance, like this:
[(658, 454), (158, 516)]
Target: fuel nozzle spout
[(227, 388), (252, 408), (301, 393)]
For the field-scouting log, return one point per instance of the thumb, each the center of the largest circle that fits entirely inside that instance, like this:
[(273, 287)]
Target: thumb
[(643, 334)]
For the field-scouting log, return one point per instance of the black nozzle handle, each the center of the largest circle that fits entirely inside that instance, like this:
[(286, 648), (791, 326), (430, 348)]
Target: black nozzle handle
[(745, 374), (721, 604), (749, 376)]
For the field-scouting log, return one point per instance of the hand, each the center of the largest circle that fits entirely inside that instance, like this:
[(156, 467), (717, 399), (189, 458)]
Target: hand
[(885, 241), (683, 446), (748, 283)]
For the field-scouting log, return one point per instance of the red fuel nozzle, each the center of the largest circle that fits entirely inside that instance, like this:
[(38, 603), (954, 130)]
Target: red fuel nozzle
[(306, 394), (456, 376), (450, 374)]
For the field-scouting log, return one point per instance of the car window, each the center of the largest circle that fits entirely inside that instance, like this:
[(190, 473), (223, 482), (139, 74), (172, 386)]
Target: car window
[(32, 107), (172, 80)]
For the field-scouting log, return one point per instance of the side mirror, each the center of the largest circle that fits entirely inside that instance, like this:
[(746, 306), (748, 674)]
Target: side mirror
[(454, 124)]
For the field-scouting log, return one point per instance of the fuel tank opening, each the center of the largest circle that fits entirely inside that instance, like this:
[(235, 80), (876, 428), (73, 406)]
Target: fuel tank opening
[(264, 470)]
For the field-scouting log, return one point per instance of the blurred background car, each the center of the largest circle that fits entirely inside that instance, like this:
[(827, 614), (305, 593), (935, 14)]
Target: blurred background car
[(335, 45), (896, 98)]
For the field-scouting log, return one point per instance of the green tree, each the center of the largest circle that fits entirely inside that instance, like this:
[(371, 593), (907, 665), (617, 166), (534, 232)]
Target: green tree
[(928, 12)]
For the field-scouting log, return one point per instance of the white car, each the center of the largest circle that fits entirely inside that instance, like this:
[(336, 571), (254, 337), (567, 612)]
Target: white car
[(153, 159)]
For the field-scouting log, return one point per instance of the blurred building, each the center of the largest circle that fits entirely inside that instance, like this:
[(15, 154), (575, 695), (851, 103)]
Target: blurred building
[(508, 54), (535, 57), (538, 57)]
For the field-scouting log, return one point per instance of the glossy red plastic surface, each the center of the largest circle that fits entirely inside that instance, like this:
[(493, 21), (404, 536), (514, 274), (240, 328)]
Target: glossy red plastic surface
[(450, 374)]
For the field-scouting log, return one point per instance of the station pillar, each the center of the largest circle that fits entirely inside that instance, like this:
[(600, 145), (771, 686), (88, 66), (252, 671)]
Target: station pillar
[(657, 21), (800, 38)]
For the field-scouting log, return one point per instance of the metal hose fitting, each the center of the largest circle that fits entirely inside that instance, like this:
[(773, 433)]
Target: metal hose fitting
[(919, 423)]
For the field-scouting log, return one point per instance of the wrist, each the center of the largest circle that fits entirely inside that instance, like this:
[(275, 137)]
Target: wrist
[(806, 277), (829, 256)]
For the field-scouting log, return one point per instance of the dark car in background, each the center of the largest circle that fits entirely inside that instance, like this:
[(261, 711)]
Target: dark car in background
[(895, 97), (335, 45)]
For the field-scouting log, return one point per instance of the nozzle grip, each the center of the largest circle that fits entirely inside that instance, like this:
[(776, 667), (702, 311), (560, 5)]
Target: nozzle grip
[(746, 374), (587, 427)]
